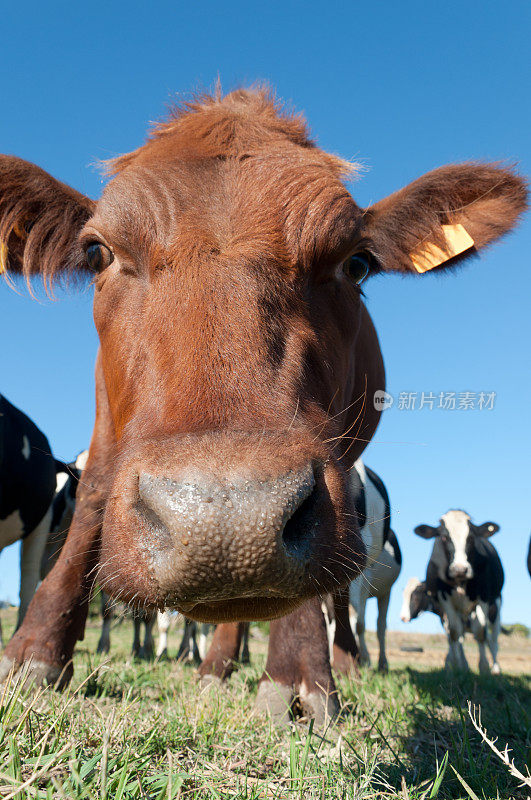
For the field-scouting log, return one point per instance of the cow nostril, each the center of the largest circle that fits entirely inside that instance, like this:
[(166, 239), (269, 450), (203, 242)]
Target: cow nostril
[(298, 529)]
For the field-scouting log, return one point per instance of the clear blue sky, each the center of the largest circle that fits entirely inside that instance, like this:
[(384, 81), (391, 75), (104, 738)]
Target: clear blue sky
[(401, 86)]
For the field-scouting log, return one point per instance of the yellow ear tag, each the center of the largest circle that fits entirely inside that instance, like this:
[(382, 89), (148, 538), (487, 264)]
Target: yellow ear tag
[(3, 257), (429, 255)]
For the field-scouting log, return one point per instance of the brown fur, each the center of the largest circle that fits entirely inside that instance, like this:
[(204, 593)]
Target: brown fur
[(232, 341)]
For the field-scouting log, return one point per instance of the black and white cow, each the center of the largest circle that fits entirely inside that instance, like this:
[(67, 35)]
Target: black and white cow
[(27, 485), (465, 577), (384, 559), (383, 566), (529, 557), (416, 600)]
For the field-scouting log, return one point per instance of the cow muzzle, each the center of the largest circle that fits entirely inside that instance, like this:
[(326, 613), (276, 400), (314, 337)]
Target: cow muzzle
[(211, 540), (460, 572)]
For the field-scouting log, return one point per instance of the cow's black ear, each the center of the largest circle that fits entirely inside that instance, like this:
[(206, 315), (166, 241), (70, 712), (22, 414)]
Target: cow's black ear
[(426, 531), (487, 529)]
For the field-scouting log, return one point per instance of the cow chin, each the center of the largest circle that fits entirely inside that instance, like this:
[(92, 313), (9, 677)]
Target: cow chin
[(242, 609)]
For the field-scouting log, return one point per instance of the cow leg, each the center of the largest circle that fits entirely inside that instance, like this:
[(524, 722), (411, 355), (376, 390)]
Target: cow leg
[(479, 631), (222, 656), (104, 644), (298, 666), (345, 652), (163, 626), (381, 626), (245, 657), (201, 645), (137, 624), (455, 631), (56, 616), (492, 637), (33, 547), (365, 658), (191, 647), (147, 650), (188, 641)]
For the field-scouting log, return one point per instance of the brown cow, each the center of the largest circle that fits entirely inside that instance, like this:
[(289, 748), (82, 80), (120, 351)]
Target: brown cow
[(237, 368)]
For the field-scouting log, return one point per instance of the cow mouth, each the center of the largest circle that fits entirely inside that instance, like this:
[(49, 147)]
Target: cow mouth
[(240, 609)]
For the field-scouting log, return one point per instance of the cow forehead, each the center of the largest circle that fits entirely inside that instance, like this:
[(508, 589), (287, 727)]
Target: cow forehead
[(457, 523), (269, 203), (411, 586)]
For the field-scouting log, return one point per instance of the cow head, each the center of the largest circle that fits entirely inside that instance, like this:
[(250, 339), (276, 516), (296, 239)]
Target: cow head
[(456, 537), (237, 359), (415, 600)]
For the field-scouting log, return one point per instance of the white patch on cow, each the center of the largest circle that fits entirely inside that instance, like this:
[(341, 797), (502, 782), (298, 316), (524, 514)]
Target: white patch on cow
[(389, 549), (30, 562), (330, 630), (60, 480), (202, 643), (457, 525), (411, 585), (26, 449), (81, 460), (11, 529), (372, 531)]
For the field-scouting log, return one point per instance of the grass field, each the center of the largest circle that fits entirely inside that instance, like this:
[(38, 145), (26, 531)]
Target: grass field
[(147, 730)]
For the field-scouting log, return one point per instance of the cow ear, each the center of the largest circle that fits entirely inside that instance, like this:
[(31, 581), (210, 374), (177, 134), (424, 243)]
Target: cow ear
[(426, 531), (487, 529), (40, 220), (443, 217)]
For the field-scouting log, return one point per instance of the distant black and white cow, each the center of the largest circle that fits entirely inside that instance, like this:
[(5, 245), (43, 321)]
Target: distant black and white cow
[(416, 600), (465, 577), (384, 561), (27, 486), (529, 557)]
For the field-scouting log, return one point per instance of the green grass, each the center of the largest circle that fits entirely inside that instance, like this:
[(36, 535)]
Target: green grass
[(147, 730)]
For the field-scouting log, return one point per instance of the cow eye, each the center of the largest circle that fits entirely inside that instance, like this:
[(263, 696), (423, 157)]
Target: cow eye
[(98, 256), (357, 267)]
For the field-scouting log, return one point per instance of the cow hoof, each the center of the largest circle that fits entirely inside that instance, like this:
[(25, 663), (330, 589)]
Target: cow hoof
[(103, 648), (496, 669), (323, 708), (38, 673), (275, 700), (383, 666), (210, 681), (163, 656)]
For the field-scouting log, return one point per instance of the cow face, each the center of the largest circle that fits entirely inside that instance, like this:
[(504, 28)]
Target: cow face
[(456, 538), (238, 362), (414, 600)]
